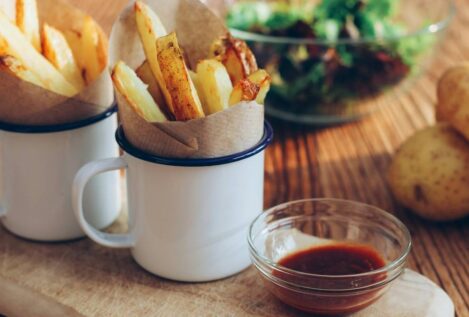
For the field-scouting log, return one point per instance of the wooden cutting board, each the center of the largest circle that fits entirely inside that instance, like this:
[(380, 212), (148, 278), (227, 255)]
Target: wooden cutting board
[(96, 281), (411, 295)]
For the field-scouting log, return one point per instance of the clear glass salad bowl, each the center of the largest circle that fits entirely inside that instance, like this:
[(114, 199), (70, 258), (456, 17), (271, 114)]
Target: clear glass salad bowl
[(331, 73)]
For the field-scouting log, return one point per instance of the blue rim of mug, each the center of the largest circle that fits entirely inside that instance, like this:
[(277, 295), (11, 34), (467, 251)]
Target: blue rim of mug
[(32, 129), (267, 138)]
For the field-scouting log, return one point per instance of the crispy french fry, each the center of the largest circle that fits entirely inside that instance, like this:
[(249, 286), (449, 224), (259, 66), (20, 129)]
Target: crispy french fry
[(236, 56), (17, 45), (255, 87), (150, 29), (145, 73), (27, 20), (13, 66), (74, 42), (244, 90), (263, 79), (135, 92), (91, 49), (103, 49), (198, 86), (213, 85), (56, 49), (185, 100)]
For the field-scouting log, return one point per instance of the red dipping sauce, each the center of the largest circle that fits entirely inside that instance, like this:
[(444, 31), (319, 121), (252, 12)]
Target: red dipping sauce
[(335, 259), (327, 293)]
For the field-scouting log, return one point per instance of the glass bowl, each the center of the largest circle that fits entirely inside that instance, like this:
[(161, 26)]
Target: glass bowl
[(300, 225), (338, 80)]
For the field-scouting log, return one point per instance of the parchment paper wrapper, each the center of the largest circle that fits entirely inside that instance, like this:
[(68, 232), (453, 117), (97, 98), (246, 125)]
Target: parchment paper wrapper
[(223, 133), (25, 103)]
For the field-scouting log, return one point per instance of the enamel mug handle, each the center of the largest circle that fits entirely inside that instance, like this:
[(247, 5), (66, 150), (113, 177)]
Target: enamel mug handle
[(81, 179)]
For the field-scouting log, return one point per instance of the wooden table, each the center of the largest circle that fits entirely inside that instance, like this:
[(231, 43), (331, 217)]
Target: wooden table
[(347, 161)]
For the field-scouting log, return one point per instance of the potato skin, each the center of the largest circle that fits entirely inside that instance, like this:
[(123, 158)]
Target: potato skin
[(430, 174), (453, 98)]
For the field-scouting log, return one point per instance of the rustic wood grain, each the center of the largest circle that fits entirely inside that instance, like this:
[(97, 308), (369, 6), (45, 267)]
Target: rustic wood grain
[(347, 161)]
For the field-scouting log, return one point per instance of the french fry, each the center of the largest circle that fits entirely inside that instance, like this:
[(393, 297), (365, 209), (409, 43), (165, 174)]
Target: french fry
[(263, 79), (244, 90), (213, 85), (27, 21), (145, 73), (13, 66), (56, 49), (135, 92), (184, 98), (236, 56), (103, 48), (73, 38), (16, 45), (150, 29), (92, 48), (255, 87), (198, 84)]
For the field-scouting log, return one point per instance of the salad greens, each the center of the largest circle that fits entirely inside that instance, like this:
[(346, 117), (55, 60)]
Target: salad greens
[(330, 70)]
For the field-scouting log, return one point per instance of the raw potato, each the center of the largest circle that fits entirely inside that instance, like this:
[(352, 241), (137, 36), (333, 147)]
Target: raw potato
[(28, 21), (15, 44), (135, 92), (213, 85), (453, 98), (430, 173), (184, 98), (58, 52)]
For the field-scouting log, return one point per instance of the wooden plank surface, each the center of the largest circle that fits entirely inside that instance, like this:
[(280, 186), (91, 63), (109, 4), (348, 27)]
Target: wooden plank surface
[(347, 161)]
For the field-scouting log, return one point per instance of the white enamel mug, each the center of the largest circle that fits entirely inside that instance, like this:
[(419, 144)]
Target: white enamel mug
[(38, 164), (188, 218)]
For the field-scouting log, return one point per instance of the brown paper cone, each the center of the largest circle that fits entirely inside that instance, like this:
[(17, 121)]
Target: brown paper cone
[(25, 103), (224, 133)]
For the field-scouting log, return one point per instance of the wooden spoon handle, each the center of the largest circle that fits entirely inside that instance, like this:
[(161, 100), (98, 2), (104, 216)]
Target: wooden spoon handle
[(20, 301)]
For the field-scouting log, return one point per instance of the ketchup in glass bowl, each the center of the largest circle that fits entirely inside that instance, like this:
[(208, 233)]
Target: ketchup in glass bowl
[(328, 256)]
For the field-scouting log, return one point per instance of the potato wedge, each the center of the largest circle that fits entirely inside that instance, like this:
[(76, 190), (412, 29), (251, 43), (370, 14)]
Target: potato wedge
[(215, 86), (145, 73), (13, 66), (103, 49), (244, 90), (150, 29), (135, 92), (184, 98), (236, 56), (255, 87), (17, 45), (27, 20), (56, 49), (92, 49), (263, 79), (73, 38)]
